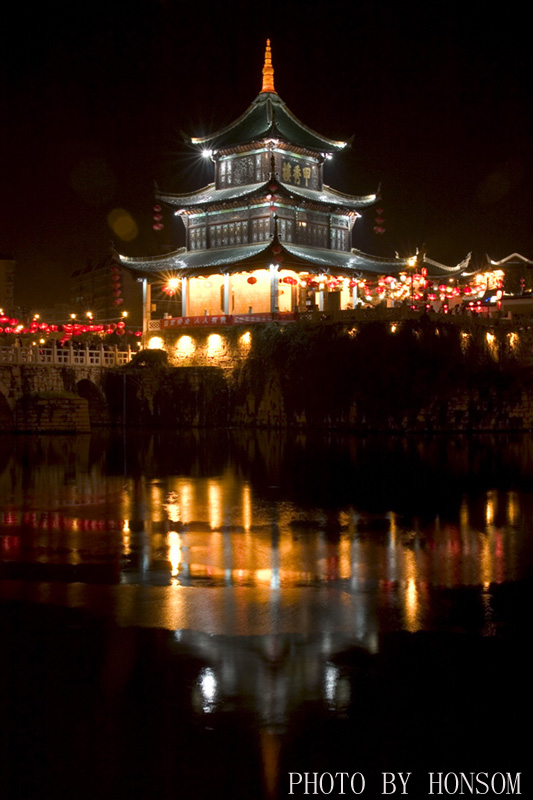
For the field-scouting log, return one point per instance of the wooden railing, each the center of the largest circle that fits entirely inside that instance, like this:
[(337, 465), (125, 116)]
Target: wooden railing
[(54, 356)]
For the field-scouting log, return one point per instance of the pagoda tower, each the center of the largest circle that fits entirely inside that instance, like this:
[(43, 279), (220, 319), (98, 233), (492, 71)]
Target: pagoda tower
[(267, 236)]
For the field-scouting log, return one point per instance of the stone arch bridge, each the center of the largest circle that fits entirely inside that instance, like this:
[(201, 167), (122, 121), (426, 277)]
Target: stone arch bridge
[(55, 389)]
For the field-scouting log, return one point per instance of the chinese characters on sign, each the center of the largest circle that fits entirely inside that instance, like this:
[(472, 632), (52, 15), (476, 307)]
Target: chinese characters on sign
[(185, 321), (295, 174), (224, 319)]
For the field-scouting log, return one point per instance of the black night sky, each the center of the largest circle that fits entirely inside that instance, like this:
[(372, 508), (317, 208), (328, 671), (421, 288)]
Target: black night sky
[(93, 102)]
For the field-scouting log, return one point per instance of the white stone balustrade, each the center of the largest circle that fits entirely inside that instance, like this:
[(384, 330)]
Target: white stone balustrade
[(68, 356)]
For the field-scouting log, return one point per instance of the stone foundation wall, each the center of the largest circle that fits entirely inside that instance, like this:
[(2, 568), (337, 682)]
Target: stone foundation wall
[(46, 398), (19, 379), (224, 349), (57, 414), (465, 412), (168, 397), (415, 375), (206, 397), (28, 379)]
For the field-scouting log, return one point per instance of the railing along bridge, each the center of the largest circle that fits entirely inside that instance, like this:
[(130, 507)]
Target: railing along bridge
[(68, 356)]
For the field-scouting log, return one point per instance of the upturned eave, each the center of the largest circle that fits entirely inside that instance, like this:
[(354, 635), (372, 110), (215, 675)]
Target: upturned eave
[(327, 199), (268, 117), (243, 258)]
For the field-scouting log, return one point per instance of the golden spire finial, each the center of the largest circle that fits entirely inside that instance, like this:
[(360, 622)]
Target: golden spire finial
[(268, 71)]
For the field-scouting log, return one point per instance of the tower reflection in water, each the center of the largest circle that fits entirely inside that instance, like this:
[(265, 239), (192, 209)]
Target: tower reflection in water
[(308, 582), (269, 556)]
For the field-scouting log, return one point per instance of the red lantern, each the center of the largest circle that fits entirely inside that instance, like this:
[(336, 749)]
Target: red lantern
[(158, 226), (251, 280), (138, 333), (157, 208), (276, 249), (121, 324), (273, 187)]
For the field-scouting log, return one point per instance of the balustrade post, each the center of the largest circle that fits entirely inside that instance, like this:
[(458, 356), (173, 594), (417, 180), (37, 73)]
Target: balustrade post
[(54, 351), (70, 353)]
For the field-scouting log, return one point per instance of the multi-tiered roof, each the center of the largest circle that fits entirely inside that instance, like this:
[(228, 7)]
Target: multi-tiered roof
[(268, 193)]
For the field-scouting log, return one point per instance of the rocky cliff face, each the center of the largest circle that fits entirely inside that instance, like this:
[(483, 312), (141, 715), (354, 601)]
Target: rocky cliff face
[(420, 376)]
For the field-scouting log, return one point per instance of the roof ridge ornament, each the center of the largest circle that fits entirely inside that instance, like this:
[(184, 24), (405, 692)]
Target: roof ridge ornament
[(268, 71)]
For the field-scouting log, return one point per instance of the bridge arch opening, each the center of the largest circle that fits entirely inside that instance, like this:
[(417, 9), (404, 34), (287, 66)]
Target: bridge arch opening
[(98, 408), (6, 413)]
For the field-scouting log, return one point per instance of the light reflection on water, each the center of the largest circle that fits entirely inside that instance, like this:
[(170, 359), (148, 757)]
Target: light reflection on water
[(263, 539), (285, 572)]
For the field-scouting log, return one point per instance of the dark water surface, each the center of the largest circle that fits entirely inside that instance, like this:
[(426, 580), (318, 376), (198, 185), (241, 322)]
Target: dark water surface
[(201, 614)]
